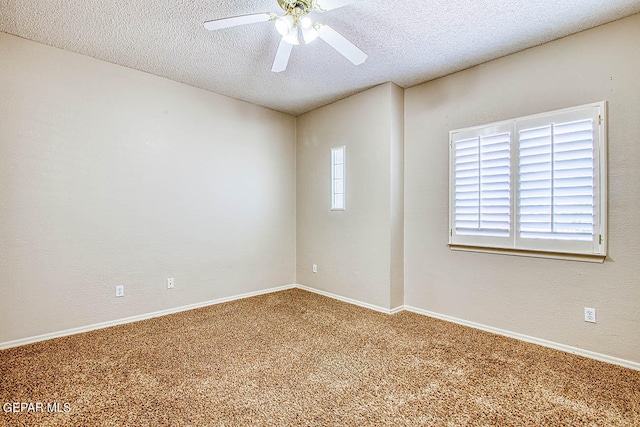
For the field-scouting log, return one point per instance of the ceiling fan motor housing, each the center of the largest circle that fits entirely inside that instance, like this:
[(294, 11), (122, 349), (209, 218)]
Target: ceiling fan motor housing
[(296, 8)]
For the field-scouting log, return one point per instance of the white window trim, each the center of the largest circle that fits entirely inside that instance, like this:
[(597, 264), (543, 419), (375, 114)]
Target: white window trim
[(343, 148), (514, 246)]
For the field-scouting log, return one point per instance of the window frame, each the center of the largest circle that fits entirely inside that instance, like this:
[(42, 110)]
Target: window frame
[(595, 249)]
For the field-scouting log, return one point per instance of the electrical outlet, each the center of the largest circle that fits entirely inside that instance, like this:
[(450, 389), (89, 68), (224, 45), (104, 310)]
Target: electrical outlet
[(314, 268), (120, 291), (170, 283), (590, 315)]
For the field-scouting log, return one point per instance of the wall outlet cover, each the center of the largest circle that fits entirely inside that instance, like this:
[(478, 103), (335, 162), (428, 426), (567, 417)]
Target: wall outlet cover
[(590, 315)]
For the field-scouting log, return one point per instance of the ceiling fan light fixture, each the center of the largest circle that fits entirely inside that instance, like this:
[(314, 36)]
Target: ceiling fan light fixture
[(284, 25), (292, 37), (306, 22), (309, 34)]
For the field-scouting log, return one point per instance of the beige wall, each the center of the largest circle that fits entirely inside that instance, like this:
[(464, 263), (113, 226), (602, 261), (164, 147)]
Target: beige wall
[(356, 250), (541, 298), (109, 176)]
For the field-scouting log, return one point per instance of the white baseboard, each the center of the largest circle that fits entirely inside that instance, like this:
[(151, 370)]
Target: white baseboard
[(396, 310), (562, 347), (145, 316), (350, 301)]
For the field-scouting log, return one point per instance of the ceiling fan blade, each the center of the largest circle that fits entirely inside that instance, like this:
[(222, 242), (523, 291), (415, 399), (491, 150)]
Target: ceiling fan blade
[(218, 24), (342, 45), (282, 56), (333, 4)]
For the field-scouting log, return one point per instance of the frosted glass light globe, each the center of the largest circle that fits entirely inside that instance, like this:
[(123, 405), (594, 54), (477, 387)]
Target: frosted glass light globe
[(306, 22), (283, 25)]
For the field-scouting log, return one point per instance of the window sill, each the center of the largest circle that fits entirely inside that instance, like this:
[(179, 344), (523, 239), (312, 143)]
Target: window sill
[(534, 254)]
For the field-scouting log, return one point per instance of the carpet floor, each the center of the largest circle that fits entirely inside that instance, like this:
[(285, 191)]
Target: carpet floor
[(294, 358)]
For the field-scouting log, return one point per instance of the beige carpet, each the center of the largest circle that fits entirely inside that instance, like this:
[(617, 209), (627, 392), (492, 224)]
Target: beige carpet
[(294, 358)]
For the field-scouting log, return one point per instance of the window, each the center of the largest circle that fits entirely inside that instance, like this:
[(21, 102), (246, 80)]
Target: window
[(535, 183), (337, 178)]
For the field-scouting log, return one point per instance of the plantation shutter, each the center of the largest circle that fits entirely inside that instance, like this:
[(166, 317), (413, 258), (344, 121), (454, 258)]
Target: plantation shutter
[(482, 187), (557, 183), (534, 184)]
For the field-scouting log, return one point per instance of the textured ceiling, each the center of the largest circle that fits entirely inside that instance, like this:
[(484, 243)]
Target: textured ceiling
[(407, 42)]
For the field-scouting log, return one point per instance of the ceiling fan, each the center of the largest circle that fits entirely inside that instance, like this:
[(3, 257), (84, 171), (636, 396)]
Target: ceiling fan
[(298, 18)]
